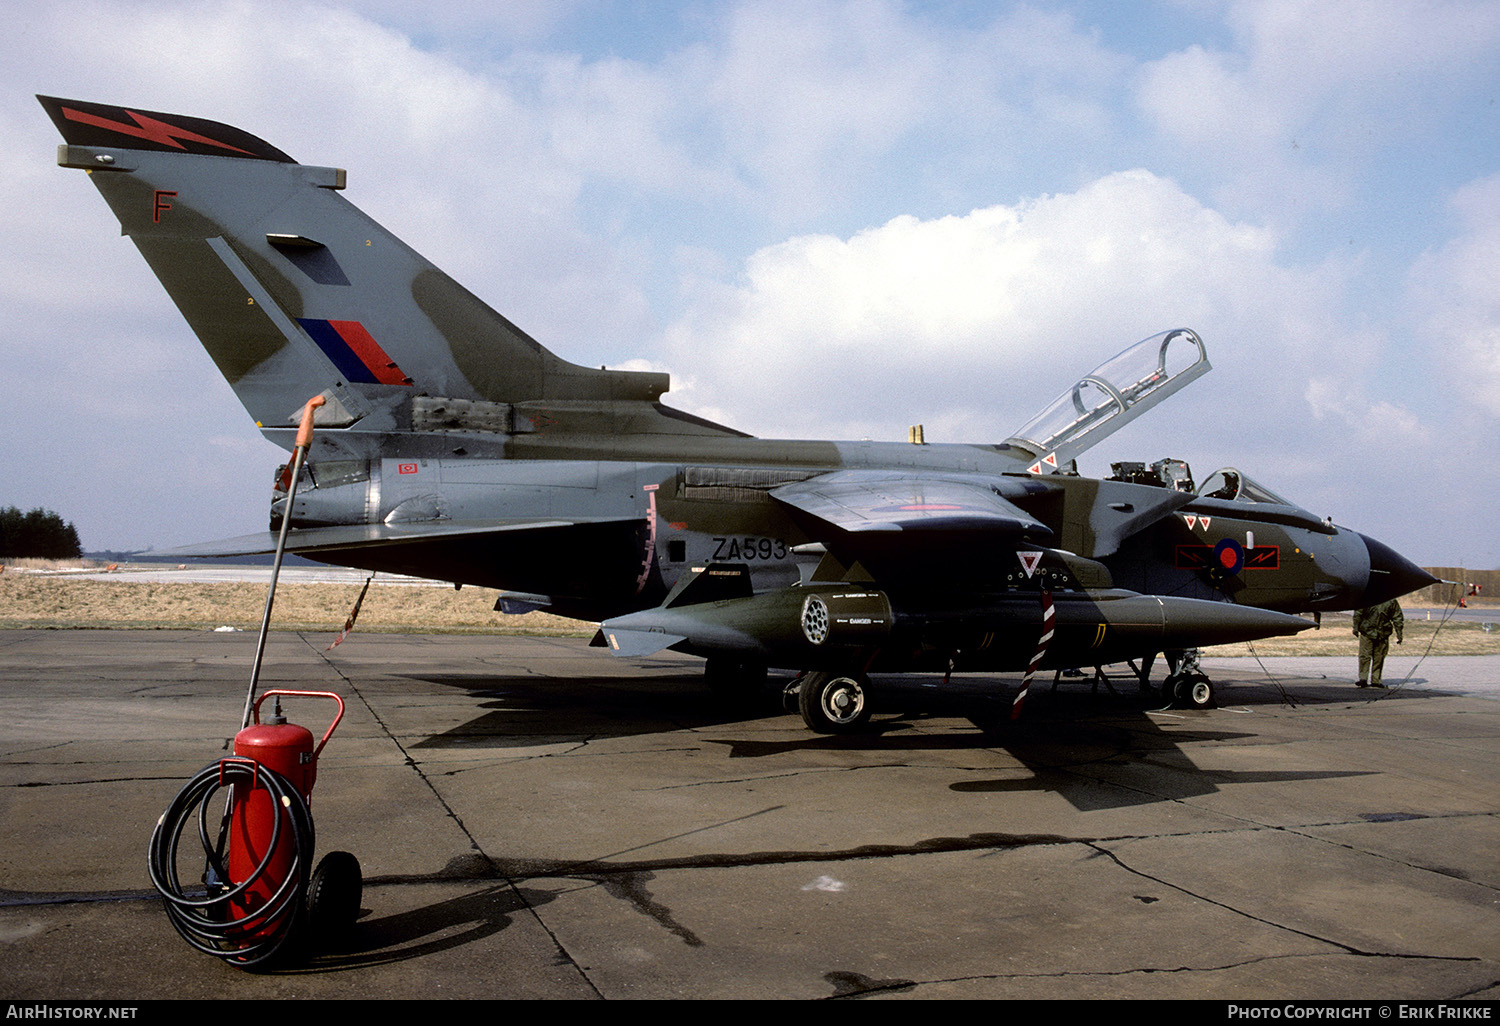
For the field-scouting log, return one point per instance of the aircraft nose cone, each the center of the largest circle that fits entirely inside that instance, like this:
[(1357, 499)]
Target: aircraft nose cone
[(1391, 574)]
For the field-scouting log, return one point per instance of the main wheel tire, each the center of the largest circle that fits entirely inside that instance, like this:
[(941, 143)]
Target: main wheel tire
[(791, 694), (833, 703)]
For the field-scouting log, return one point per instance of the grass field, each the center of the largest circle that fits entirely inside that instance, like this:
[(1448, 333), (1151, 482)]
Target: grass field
[(40, 601), (1456, 637), (33, 600)]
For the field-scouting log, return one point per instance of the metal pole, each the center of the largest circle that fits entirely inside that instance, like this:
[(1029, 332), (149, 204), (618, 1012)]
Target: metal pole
[(304, 441)]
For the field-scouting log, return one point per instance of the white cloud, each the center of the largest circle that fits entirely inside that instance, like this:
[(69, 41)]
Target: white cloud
[(463, 26), (809, 101), (1309, 87), (799, 84), (977, 320), (1372, 423), (1457, 289)]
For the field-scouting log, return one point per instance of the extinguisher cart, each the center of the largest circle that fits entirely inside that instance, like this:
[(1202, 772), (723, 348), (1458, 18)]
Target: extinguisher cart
[(260, 899)]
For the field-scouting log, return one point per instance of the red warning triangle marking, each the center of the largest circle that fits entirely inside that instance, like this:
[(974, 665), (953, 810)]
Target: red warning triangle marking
[(1204, 522), (1050, 460), (1192, 521), (1029, 561)]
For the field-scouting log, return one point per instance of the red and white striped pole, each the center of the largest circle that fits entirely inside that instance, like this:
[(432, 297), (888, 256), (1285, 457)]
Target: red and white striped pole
[(1049, 618)]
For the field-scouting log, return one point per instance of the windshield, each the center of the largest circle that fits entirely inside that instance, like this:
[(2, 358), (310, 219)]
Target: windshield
[(1112, 395), (1234, 486)]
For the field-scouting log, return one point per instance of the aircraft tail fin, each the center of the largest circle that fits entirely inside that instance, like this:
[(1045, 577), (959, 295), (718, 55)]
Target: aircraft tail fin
[(295, 292)]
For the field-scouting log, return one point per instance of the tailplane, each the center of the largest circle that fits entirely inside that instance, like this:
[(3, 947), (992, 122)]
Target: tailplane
[(294, 292)]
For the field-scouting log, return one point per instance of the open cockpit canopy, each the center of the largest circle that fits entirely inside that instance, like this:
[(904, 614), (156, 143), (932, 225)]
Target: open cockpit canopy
[(1112, 395)]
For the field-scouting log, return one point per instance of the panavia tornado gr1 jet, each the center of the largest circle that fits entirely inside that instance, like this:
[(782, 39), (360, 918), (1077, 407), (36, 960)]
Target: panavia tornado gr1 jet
[(452, 445)]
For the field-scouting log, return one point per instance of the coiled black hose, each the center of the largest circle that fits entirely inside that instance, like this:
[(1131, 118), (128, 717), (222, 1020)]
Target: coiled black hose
[(204, 920)]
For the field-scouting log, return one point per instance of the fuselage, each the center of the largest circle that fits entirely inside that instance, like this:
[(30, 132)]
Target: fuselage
[(627, 530)]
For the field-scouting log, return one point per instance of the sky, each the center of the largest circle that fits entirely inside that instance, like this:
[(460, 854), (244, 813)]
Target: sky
[(824, 220)]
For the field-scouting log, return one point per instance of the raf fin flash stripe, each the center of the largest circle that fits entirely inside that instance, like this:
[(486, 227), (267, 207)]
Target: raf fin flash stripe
[(354, 352)]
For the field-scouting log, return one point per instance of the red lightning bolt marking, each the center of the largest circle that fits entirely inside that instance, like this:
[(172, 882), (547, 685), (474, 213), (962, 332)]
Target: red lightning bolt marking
[(149, 129)]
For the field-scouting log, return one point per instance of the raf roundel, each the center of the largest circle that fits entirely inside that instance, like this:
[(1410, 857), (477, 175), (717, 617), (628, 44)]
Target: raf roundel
[(1229, 556)]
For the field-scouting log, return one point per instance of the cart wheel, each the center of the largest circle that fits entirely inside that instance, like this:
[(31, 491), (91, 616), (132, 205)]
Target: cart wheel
[(333, 896)]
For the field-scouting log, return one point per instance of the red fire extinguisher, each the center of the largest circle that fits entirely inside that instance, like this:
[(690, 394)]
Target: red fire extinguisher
[(259, 897), (262, 837)]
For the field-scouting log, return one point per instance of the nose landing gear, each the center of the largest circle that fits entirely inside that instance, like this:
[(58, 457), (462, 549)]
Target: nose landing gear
[(1192, 690)]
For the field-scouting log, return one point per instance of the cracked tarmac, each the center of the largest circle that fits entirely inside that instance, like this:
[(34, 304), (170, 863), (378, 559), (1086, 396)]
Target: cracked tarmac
[(536, 820)]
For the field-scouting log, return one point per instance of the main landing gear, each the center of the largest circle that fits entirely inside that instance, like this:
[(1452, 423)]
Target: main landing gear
[(831, 703)]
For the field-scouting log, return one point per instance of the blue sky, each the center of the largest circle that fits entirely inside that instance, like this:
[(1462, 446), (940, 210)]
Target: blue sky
[(824, 220)]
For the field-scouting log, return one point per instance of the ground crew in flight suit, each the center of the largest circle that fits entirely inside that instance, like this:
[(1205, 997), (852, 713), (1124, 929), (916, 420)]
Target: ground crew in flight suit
[(1374, 626)]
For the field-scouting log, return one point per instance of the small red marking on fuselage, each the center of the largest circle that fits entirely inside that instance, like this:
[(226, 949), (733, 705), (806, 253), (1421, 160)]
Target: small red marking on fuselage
[(407, 468), (1263, 557), (160, 204)]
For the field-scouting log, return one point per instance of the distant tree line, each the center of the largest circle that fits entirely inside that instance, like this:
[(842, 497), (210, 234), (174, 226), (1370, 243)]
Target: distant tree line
[(40, 533)]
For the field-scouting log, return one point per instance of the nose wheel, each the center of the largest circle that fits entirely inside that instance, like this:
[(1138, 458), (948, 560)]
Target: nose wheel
[(1188, 691), (833, 703)]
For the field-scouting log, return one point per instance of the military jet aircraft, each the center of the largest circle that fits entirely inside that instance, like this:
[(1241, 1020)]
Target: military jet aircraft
[(452, 445)]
